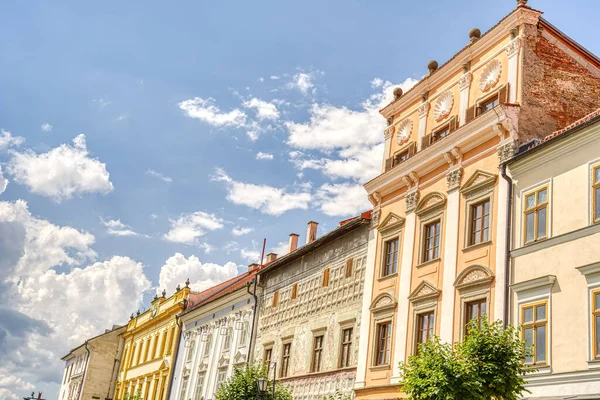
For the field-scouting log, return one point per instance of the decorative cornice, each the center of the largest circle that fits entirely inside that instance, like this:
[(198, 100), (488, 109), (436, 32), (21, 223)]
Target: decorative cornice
[(391, 222), (513, 47), (478, 180), (464, 82), (384, 301), (589, 269), (537, 283), (507, 151), (423, 110), (453, 179), (412, 200), (432, 201)]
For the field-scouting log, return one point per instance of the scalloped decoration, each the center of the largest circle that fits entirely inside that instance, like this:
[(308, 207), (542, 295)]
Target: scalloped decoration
[(443, 106), (404, 129), (490, 76)]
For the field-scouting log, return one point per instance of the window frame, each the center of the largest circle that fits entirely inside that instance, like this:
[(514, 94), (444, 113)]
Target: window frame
[(268, 350), (435, 133), (535, 210), (466, 314), (418, 328), (426, 238), (384, 266), (183, 389), (595, 186), (535, 324), (388, 343), (316, 360), (472, 219), (595, 313), (285, 358), (199, 385), (346, 347)]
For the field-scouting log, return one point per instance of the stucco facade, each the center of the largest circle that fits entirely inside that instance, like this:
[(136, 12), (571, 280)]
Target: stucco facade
[(309, 313), (91, 369), (555, 267), (437, 254), (216, 337)]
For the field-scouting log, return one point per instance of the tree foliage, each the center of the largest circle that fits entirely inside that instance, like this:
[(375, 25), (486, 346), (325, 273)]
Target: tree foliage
[(242, 385), (136, 396), (486, 365)]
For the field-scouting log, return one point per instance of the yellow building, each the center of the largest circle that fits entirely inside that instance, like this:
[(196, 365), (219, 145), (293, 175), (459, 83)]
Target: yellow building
[(151, 341), (437, 253)]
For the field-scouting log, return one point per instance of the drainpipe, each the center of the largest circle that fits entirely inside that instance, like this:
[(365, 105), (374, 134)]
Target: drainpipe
[(254, 316), (175, 353), (508, 259), (84, 370)]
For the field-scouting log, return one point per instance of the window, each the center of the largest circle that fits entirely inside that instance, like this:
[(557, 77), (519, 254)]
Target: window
[(349, 268), (317, 352), (596, 322), (199, 385), (285, 359), (222, 375), (243, 334), (132, 356), (431, 248), (139, 353), (488, 104), (596, 193), (276, 298), (207, 345), (190, 353), (534, 321), (227, 340), (163, 340), (440, 133), (184, 384), (425, 326), (391, 257), (399, 158), (474, 310), (326, 277), (480, 222), (294, 291), (536, 214), (155, 347), (346, 354), (268, 355), (384, 337)]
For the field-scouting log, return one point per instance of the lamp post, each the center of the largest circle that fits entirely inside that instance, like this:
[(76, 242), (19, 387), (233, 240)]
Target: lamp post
[(274, 363), (261, 384)]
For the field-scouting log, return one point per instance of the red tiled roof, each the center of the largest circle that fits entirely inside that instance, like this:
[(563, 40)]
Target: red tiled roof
[(196, 300), (365, 215), (574, 125)]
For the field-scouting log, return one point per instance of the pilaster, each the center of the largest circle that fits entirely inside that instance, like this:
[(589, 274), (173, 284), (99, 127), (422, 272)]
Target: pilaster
[(388, 133), (513, 50), (423, 112), (464, 84)]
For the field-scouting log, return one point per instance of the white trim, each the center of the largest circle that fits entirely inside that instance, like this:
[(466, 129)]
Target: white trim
[(591, 165), (450, 263), (521, 224), (501, 222)]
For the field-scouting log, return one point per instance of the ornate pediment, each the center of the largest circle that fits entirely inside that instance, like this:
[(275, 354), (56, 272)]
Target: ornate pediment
[(478, 180), (391, 222), (239, 358), (382, 302), (164, 364), (425, 291), (223, 361), (474, 275), (431, 202)]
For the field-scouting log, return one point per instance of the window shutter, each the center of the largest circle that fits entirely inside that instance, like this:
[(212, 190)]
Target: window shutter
[(452, 125), (275, 298), (349, 268), (294, 291), (326, 277), (503, 94), (388, 163), (412, 150), (426, 141), (470, 114)]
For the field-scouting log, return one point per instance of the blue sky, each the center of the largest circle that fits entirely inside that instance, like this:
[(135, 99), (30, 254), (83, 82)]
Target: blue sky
[(175, 102)]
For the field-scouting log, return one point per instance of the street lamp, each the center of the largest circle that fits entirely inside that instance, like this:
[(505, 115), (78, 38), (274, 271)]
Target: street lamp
[(261, 383)]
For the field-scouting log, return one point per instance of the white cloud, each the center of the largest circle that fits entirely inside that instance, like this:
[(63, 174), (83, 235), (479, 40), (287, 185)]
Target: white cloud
[(117, 228), (343, 199), (377, 82), (281, 249), (158, 175), (251, 256), (301, 82), (240, 231), (46, 127), (264, 109), (8, 140), (274, 77), (177, 269), (62, 172), (189, 227), (264, 156), (206, 111), (267, 199), (7, 380), (6, 394), (3, 182), (101, 102)]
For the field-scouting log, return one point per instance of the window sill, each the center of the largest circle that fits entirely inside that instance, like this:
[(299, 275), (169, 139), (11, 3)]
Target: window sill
[(594, 364), (387, 277), (477, 246), (542, 369), (379, 367), (536, 241), (424, 264)]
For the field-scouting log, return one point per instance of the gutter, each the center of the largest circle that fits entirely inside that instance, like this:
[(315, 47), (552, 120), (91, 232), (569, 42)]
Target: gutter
[(84, 371), (508, 259), (175, 353), (254, 317)]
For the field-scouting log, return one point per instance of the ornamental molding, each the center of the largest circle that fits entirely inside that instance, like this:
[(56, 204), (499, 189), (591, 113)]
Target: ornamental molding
[(425, 291), (464, 82), (543, 282), (513, 47), (507, 151), (478, 180), (490, 75), (411, 201), (423, 110), (432, 201), (388, 132), (404, 129), (391, 222), (384, 301), (475, 275), (453, 179), (375, 218), (443, 106)]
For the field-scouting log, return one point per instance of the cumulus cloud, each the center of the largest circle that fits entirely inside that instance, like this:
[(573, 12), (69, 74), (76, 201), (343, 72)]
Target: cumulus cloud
[(177, 269), (342, 199), (158, 175), (8, 140), (281, 249), (3, 182), (191, 226), (267, 199), (46, 127), (240, 231), (117, 228), (251, 256), (6, 394), (301, 82), (62, 172), (206, 111), (264, 156), (264, 109)]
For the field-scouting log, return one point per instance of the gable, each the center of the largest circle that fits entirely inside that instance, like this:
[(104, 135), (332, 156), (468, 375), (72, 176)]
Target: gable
[(391, 222), (478, 180), (430, 202), (424, 291), (474, 275)]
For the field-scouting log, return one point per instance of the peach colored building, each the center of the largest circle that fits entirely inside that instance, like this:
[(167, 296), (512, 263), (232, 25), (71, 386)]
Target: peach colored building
[(437, 252)]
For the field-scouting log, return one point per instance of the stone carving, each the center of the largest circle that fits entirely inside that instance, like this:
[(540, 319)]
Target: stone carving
[(411, 201), (478, 180), (473, 276), (490, 75), (465, 81), (513, 47), (443, 106), (390, 222), (453, 179), (404, 130), (375, 218), (431, 201), (423, 110), (424, 291), (507, 151), (388, 132)]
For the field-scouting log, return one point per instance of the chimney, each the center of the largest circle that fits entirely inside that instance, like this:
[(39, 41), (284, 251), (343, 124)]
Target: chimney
[(252, 267), (271, 257), (311, 232), (293, 242)]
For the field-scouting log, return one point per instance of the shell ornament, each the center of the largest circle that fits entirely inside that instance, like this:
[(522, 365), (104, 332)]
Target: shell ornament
[(443, 106), (404, 130), (490, 75)]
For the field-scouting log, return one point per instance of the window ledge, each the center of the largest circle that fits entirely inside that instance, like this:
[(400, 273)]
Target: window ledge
[(379, 367), (543, 369), (593, 364), (477, 246), (387, 277), (423, 264)]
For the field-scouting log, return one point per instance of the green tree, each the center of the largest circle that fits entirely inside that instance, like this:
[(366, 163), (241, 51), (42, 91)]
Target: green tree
[(136, 396), (242, 385), (486, 365)]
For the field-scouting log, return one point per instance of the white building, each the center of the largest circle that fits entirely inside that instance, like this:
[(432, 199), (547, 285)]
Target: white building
[(216, 337)]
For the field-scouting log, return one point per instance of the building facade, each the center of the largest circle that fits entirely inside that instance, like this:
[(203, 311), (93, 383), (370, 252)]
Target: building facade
[(555, 269), (438, 252), (216, 337), (91, 369), (151, 341), (308, 326)]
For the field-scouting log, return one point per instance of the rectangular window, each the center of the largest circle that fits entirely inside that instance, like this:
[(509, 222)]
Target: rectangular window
[(431, 245), (391, 257), (285, 359), (268, 355), (221, 377), (425, 327), (488, 104), (535, 215), (155, 347), (199, 385), (440, 133), (349, 268), (534, 329), (317, 353), (227, 340), (383, 345), (243, 334), (294, 291), (399, 158), (326, 277), (207, 346), (596, 322), (190, 353), (596, 193), (276, 298), (184, 384), (346, 354), (474, 310), (480, 222)]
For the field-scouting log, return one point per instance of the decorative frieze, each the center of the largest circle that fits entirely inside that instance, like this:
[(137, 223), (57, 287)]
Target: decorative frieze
[(443, 105), (375, 218), (465, 81), (412, 199), (423, 110), (507, 151), (453, 179)]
